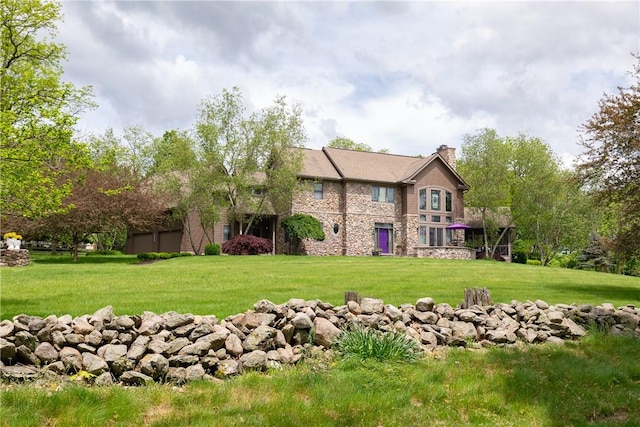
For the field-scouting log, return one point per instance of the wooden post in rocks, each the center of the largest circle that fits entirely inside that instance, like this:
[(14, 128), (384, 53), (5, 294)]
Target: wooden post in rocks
[(476, 296), (351, 296)]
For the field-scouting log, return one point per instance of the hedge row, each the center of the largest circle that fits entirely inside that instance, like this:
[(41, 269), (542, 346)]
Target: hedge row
[(153, 256)]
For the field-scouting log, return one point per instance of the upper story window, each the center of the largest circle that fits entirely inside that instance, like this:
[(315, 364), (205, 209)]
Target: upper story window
[(435, 201), (382, 194), (318, 191), (435, 207)]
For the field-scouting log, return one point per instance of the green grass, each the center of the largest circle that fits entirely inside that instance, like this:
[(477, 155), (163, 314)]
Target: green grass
[(365, 344), (592, 382), (227, 285)]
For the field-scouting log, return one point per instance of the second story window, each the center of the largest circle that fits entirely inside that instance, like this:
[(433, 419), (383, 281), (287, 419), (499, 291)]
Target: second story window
[(318, 190), (435, 200), (382, 194)]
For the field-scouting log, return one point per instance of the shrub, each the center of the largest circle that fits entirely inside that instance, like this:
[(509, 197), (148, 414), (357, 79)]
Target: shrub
[(365, 343), (212, 249), (155, 256), (519, 257), (533, 262), (245, 244)]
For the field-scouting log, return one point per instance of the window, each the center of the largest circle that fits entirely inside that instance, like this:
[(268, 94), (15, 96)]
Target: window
[(317, 190), (382, 194), (256, 191), (435, 236), (226, 232), (423, 200), (422, 235), (434, 215), (435, 200)]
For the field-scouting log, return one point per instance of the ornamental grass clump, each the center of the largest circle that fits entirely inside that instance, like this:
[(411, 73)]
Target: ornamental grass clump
[(370, 344)]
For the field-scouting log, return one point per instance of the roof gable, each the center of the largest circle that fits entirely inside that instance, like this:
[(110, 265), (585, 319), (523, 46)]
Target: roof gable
[(437, 157)]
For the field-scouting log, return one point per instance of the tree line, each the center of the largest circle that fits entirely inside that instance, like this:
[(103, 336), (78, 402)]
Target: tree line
[(57, 186)]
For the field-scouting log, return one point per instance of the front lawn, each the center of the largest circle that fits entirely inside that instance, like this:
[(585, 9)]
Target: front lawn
[(224, 285)]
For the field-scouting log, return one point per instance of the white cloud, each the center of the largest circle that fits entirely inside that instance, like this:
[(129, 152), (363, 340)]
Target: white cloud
[(403, 76)]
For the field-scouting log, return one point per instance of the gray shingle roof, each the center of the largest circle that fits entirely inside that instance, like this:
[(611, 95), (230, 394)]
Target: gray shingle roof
[(338, 164), (377, 167)]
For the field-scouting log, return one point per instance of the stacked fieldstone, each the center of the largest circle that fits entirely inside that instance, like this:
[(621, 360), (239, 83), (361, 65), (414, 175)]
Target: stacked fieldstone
[(14, 257), (175, 347)]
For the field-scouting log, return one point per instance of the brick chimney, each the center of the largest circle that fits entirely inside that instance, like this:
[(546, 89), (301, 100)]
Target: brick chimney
[(448, 154)]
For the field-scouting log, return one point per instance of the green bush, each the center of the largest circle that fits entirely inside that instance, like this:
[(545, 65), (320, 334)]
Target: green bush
[(212, 249), (533, 262), (519, 257), (155, 256), (365, 343)]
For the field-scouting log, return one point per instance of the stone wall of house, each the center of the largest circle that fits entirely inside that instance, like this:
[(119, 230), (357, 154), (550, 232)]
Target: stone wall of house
[(173, 347), (14, 258), (328, 211), (362, 214), (445, 252)]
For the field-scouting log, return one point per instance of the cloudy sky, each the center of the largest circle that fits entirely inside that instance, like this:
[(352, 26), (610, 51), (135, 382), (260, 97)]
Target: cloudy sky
[(406, 76)]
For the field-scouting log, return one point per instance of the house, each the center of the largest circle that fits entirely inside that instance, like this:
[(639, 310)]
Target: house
[(368, 203), (505, 230)]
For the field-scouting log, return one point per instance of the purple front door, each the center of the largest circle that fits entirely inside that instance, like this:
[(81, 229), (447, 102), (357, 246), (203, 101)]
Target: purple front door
[(383, 240)]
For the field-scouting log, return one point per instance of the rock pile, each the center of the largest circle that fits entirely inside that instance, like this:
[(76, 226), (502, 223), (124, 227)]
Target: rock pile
[(14, 258), (173, 347)]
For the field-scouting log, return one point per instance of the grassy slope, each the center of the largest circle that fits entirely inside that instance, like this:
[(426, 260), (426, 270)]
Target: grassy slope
[(593, 382), (229, 285)]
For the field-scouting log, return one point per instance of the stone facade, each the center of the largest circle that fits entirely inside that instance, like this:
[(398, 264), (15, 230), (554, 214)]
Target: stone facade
[(355, 223), (14, 258), (446, 253)]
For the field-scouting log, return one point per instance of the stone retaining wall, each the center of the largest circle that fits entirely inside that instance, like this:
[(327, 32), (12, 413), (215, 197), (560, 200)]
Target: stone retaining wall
[(173, 347), (450, 252), (14, 258)]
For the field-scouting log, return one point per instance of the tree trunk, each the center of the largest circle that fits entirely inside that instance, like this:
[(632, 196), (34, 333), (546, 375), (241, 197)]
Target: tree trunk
[(74, 247), (484, 233)]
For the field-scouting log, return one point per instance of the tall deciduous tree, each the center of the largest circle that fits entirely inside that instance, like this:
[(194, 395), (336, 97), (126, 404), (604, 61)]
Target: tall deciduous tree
[(484, 164), (103, 200), (611, 163), (37, 111), (250, 157), (349, 144), (197, 199), (547, 207)]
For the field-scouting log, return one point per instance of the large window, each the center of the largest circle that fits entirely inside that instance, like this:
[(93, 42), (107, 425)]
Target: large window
[(318, 192), (422, 201), (434, 214), (226, 232), (435, 200), (382, 194)]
